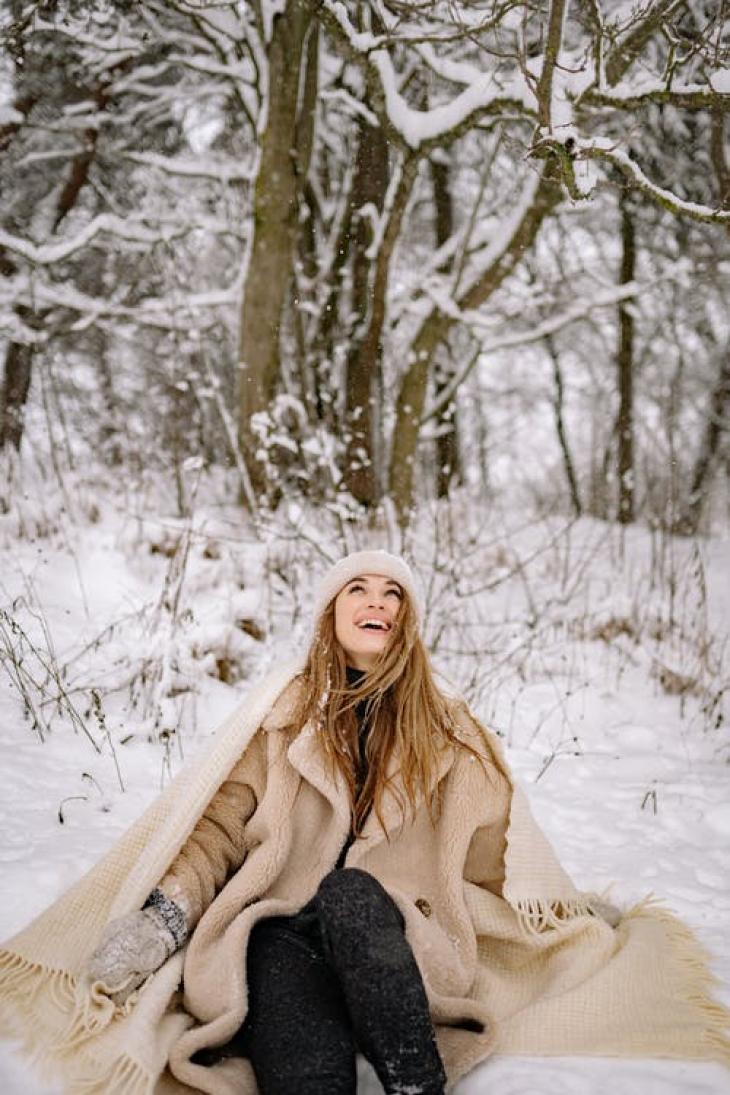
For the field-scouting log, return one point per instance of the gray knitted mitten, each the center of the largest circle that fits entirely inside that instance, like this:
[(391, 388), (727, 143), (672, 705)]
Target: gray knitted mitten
[(134, 946)]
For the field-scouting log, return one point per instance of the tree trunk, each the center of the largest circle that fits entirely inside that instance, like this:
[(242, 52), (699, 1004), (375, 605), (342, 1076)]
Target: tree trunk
[(716, 424), (412, 395), (275, 233), (305, 134), (625, 362), (16, 374), (558, 403), (323, 344), (18, 356), (448, 462), (305, 270), (16, 385), (719, 409), (370, 185)]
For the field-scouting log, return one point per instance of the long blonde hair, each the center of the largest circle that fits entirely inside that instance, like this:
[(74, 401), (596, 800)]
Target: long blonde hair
[(407, 715)]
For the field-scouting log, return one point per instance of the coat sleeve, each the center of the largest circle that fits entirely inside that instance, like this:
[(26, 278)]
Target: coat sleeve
[(217, 846)]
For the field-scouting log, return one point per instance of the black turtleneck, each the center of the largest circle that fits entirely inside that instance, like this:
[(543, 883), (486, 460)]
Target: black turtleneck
[(354, 676)]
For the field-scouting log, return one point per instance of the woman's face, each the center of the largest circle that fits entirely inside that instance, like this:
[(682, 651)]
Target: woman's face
[(365, 610)]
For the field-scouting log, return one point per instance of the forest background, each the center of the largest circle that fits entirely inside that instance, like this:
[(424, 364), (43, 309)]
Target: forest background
[(283, 278)]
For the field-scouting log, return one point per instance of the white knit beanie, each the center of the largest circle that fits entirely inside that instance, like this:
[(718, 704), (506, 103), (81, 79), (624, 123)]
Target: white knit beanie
[(374, 561)]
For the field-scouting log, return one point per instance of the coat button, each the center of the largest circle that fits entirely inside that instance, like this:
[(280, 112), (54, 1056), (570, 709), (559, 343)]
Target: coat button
[(423, 906)]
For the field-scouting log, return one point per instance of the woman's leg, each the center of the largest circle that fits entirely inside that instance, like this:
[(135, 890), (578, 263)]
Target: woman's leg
[(297, 1034), (364, 940)]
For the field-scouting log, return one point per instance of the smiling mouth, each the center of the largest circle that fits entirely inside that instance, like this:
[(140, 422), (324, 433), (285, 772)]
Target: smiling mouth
[(374, 625)]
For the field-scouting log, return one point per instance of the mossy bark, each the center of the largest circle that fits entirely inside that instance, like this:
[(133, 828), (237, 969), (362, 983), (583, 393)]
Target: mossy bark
[(275, 217), (370, 185)]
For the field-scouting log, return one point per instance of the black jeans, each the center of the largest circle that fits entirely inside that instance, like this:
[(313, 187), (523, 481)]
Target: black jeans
[(337, 978)]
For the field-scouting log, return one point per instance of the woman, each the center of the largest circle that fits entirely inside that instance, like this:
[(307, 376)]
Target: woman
[(349, 868), (340, 971)]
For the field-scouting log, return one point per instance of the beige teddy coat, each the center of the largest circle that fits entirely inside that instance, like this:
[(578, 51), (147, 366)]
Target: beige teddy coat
[(501, 936)]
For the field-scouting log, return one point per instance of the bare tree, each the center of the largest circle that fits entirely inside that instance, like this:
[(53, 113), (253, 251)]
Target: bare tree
[(625, 371)]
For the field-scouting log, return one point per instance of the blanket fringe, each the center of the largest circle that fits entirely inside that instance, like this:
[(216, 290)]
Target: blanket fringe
[(21, 982), (536, 915), (695, 979), (89, 1076), (124, 1077), (24, 1018), (89, 1017)]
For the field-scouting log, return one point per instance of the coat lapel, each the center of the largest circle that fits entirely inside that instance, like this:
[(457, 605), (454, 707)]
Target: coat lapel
[(307, 756), (392, 808)]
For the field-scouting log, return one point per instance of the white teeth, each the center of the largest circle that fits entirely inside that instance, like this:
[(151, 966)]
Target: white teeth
[(373, 622)]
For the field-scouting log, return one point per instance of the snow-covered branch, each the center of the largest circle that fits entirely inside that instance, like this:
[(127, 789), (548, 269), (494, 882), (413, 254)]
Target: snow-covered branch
[(601, 148), (641, 29), (173, 312), (688, 97), (129, 229), (467, 19), (235, 70), (422, 129), (120, 46), (454, 72), (441, 124), (197, 168), (524, 338)]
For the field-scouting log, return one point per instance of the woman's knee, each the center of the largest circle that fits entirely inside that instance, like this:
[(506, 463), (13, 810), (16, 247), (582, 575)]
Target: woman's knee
[(351, 888), (359, 919)]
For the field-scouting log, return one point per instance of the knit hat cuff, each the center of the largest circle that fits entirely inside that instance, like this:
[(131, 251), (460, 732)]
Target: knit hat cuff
[(375, 561)]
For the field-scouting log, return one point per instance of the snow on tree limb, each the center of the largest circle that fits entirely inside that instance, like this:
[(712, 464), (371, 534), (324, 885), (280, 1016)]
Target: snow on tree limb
[(481, 95), (125, 228), (688, 97), (191, 168), (237, 70), (167, 313), (118, 47), (601, 148), (638, 34), (551, 326), (454, 72), (420, 129)]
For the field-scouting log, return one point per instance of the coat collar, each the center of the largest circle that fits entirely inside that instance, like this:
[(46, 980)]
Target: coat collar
[(392, 806), (307, 756)]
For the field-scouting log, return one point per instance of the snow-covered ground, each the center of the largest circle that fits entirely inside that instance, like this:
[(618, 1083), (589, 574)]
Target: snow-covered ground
[(598, 657)]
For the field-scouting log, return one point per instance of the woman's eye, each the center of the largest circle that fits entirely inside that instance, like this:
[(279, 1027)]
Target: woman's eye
[(361, 589)]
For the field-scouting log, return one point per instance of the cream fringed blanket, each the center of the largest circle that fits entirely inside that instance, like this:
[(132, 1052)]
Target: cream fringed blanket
[(552, 977)]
